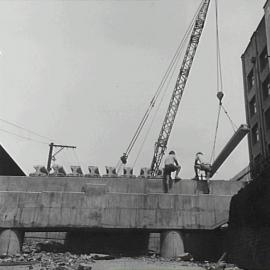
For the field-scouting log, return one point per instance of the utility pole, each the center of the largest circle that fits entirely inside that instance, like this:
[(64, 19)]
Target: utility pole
[(52, 156)]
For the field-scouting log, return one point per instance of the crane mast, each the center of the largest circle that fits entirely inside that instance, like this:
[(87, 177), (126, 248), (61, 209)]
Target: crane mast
[(161, 144)]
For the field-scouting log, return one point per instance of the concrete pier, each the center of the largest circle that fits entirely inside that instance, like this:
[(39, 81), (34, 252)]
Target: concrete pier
[(171, 244), (10, 242)]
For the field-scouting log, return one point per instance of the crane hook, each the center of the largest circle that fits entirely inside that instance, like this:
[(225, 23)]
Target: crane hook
[(220, 96)]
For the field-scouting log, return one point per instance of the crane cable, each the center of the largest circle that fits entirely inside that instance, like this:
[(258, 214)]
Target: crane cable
[(154, 117), (220, 92), (186, 35), (172, 65)]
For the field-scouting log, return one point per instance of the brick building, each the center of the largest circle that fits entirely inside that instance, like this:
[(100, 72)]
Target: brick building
[(256, 76), (249, 221)]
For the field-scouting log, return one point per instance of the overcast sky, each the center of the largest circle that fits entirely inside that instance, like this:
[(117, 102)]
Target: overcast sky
[(83, 73)]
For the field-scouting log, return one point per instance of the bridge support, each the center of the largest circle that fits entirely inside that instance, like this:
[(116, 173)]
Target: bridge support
[(171, 244), (11, 242)]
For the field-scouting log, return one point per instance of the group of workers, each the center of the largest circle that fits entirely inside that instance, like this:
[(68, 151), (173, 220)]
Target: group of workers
[(171, 165)]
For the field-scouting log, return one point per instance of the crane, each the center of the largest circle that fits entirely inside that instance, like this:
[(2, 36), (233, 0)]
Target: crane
[(161, 144)]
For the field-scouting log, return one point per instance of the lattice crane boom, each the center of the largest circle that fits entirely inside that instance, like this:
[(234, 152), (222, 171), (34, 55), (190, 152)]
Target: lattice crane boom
[(161, 144)]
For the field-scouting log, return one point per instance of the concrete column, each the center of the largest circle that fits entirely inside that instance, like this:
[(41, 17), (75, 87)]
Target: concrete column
[(11, 242), (171, 244)]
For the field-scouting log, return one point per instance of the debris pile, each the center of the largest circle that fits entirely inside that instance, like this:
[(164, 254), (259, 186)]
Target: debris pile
[(53, 256)]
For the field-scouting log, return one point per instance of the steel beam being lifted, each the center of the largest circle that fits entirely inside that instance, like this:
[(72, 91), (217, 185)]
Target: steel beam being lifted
[(229, 147)]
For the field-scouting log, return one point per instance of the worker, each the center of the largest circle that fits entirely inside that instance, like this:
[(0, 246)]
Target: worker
[(171, 165), (200, 165)]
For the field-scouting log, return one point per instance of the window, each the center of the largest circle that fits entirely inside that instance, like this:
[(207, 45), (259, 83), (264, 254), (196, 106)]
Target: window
[(251, 79), (264, 58), (267, 119), (255, 134), (266, 87), (252, 106)]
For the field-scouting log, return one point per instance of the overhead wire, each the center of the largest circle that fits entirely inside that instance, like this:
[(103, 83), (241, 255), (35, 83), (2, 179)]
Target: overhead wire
[(25, 129), (23, 137)]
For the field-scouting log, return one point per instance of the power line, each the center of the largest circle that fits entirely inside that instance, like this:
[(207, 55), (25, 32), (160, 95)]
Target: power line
[(25, 129), (23, 137)]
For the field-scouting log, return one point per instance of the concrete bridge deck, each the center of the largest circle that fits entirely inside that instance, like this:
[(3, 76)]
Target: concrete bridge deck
[(65, 202), (73, 203)]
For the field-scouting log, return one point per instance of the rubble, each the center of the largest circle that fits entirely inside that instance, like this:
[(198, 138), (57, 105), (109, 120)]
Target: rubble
[(186, 257), (50, 246), (102, 257), (84, 266), (36, 258)]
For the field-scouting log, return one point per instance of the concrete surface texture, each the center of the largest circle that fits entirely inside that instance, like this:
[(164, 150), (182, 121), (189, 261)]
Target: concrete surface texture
[(172, 244), (94, 204), (10, 240), (120, 184), (48, 202)]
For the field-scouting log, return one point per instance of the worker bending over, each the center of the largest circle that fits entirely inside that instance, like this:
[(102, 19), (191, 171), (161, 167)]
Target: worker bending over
[(171, 165), (200, 165)]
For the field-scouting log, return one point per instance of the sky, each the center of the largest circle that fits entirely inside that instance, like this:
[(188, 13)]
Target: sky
[(83, 73)]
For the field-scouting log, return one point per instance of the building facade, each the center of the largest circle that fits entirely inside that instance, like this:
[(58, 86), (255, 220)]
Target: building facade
[(256, 77)]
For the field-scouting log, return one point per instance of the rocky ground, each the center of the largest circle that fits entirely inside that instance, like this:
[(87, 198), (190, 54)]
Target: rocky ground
[(52, 256)]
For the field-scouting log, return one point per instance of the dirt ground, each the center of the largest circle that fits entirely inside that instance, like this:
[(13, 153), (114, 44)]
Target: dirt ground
[(143, 264), (53, 256)]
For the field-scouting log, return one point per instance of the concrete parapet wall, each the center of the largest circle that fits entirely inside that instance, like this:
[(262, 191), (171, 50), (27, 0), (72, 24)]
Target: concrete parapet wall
[(120, 184)]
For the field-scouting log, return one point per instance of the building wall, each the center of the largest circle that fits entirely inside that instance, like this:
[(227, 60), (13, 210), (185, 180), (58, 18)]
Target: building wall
[(256, 78), (249, 226), (267, 23), (249, 218)]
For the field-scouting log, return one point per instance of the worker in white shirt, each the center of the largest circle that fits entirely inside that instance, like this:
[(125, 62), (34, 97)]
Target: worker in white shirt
[(200, 165), (171, 165)]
